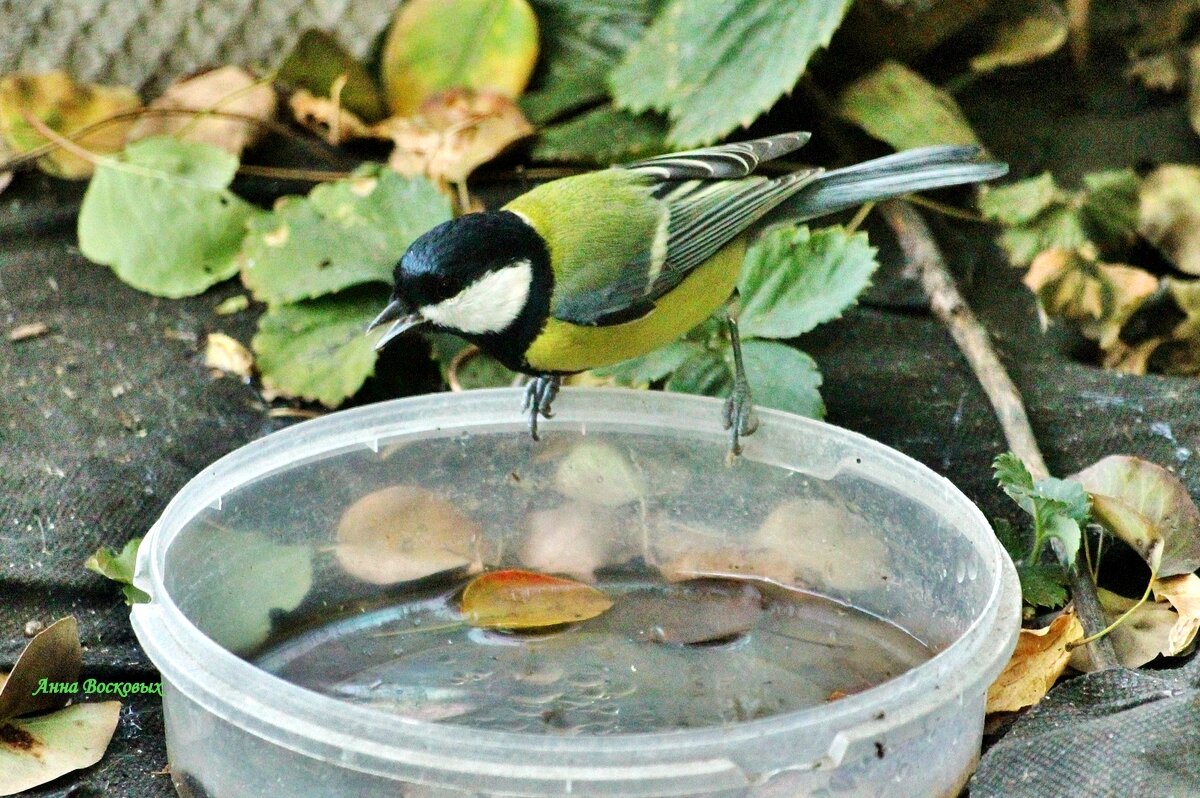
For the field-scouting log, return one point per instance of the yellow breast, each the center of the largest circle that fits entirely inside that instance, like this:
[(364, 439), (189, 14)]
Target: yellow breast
[(566, 347)]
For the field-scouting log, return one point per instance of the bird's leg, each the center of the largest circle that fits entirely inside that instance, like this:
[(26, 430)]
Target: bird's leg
[(739, 408), (539, 395)]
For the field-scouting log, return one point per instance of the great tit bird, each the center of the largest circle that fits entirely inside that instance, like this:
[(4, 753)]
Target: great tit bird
[(594, 269)]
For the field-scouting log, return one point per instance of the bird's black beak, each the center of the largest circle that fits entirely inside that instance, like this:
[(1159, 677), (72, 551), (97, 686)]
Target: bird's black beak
[(400, 317)]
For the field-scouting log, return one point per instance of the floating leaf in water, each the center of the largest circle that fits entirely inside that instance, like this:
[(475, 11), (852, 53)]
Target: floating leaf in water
[(36, 750), (568, 539), (525, 600), (688, 613), (403, 533), (444, 44), (1149, 508), (231, 89), (65, 106), (598, 473), (1040, 658)]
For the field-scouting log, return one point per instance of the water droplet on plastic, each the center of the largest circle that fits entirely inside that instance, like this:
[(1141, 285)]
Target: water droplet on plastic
[(960, 572)]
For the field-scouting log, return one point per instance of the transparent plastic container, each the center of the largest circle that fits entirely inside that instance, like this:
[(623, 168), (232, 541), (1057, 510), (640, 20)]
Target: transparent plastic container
[(897, 541)]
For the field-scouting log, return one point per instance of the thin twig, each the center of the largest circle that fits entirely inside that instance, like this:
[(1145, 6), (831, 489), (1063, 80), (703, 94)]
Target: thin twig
[(924, 257)]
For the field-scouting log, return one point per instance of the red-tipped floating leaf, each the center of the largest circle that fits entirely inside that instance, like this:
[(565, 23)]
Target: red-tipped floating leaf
[(516, 599)]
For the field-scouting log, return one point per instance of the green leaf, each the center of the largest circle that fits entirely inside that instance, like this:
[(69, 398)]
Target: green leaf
[(705, 373), (479, 371), (316, 350), (162, 217), (1034, 31), (1012, 475), (342, 234), (1058, 524), (317, 60), (582, 40), (1018, 203), (783, 378), (602, 137), (896, 105), (257, 573), (641, 371), (1011, 538), (443, 44), (793, 279), (119, 568), (1149, 508), (1042, 585), (39, 749), (1038, 215), (714, 66), (1068, 491)]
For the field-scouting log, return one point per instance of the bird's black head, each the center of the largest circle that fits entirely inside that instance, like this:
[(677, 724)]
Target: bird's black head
[(485, 276)]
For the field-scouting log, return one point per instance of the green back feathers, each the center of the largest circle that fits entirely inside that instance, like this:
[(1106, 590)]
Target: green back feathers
[(596, 226)]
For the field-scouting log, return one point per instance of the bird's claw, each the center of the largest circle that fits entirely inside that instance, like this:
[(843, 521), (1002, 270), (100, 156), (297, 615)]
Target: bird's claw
[(539, 395), (740, 418)]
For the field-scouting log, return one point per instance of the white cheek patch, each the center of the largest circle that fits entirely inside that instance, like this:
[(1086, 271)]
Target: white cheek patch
[(487, 305)]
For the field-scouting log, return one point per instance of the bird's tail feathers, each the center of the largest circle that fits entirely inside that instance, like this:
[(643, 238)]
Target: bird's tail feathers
[(890, 176)]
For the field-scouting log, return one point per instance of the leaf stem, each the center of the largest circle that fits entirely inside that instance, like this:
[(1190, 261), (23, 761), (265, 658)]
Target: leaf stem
[(926, 261), (859, 217)]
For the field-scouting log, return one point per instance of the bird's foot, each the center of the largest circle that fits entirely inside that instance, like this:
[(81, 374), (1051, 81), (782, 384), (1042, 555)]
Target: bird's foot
[(740, 418), (539, 395)]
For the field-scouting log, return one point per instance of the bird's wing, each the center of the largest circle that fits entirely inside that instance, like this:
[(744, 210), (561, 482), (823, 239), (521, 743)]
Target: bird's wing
[(705, 198)]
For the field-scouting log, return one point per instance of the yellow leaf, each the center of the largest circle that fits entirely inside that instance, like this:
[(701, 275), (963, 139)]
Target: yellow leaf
[(403, 533), (65, 106), (1169, 213), (1039, 659), (1144, 634), (1038, 32), (525, 600), (327, 118), (443, 44)]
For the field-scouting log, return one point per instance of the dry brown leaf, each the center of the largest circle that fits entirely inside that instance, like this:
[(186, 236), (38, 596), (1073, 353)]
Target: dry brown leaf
[(1101, 297), (1158, 72), (53, 654), (34, 329), (454, 132), (1142, 636), (227, 354), (1131, 359), (41, 748), (65, 106), (1183, 593), (231, 89), (1193, 61), (403, 533), (328, 119), (6, 153), (1040, 658), (1169, 214), (568, 539)]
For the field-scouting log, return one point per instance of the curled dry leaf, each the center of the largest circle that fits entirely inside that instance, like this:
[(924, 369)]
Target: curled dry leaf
[(567, 539), (403, 533), (227, 354), (53, 654), (1146, 506), (1101, 297), (1144, 635), (525, 600), (1039, 659), (65, 106), (597, 473), (1036, 30), (1169, 214), (36, 750), (328, 118), (1158, 72), (1183, 593), (231, 89), (452, 133)]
